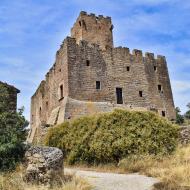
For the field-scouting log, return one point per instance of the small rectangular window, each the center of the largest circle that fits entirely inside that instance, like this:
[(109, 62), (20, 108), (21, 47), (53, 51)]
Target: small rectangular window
[(159, 88), (163, 114), (128, 68), (140, 93), (87, 63), (97, 85), (155, 68)]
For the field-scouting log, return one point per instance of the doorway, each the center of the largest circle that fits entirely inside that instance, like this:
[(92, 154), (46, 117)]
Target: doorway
[(119, 95)]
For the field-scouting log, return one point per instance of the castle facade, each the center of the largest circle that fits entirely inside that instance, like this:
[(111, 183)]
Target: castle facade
[(90, 75)]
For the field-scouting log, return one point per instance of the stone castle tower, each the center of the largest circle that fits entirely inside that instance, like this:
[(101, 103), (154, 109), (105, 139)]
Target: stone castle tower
[(90, 75)]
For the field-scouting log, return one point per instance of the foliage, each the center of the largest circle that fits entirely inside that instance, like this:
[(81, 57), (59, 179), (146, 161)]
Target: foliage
[(179, 117), (187, 114), (109, 137), (12, 133)]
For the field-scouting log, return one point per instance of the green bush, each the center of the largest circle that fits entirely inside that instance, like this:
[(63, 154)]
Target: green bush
[(12, 133), (107, 138)]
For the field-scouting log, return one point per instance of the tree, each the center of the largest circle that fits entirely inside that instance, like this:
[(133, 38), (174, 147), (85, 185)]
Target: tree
[(12, 133), (179, 117), (187, 114)]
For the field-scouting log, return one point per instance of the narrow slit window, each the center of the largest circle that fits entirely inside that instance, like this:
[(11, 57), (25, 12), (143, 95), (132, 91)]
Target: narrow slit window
[(163, 114), (61, 91), (128, 68), (155, 68), (80, 23), (140, 94), (40, 111), (98, 85), (87, 63)]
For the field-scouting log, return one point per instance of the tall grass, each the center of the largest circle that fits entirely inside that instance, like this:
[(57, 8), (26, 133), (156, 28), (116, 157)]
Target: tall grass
[(173, 171), (14, 181)]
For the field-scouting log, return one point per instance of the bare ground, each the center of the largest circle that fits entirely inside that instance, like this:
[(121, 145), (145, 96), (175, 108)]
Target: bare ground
[(113, 181)]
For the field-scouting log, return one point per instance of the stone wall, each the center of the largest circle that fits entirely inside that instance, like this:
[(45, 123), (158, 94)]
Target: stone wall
[(94, 29), (43, 165), (10, 98), (185, 135), (117, 67)]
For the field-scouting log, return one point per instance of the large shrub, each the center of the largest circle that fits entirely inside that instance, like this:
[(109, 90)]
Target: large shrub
[(12, 133), (109, 137)]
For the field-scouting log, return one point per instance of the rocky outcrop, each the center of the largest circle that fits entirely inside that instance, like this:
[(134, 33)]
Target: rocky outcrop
[(185, 135), (43, 164)]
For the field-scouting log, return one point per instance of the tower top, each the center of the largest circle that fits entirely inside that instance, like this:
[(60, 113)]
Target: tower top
[(94, 29)]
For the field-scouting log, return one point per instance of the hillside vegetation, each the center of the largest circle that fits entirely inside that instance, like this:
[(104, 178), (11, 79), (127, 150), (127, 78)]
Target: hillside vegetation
[(110, 137)]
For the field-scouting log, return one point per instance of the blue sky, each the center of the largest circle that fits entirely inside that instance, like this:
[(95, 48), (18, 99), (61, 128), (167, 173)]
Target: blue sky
[(32, 30)]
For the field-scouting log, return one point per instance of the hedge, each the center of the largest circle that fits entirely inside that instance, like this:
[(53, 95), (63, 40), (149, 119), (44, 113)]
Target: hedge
[(110, 137)]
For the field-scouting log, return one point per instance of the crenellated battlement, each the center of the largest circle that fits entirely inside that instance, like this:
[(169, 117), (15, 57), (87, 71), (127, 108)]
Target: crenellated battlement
[(149, 56), (94, 29), (139, 53), (94, 16)]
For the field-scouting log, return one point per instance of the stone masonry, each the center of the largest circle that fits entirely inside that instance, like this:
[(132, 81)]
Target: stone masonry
[(10, 98), (44, 164), (90, 75)]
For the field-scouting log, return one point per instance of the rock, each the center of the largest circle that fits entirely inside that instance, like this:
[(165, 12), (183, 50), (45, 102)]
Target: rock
[(185, 135), (44, 164)]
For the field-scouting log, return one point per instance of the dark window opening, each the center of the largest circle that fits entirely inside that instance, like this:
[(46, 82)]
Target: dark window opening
[(163, 113), (155, 68), (40, 112), (119, 95), (59, 70), (128, 68), (61, 91), (159, 88), (80, 23), (87, 63), (97, 85), (140, 93)]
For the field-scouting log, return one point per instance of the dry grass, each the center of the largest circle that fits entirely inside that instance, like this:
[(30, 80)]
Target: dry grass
[(173, 171), (14, 181)]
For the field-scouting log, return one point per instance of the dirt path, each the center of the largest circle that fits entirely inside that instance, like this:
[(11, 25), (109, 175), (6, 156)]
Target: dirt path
[(112, 181)]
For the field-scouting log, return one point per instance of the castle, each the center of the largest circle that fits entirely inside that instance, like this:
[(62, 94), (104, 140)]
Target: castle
[(90, 75)]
